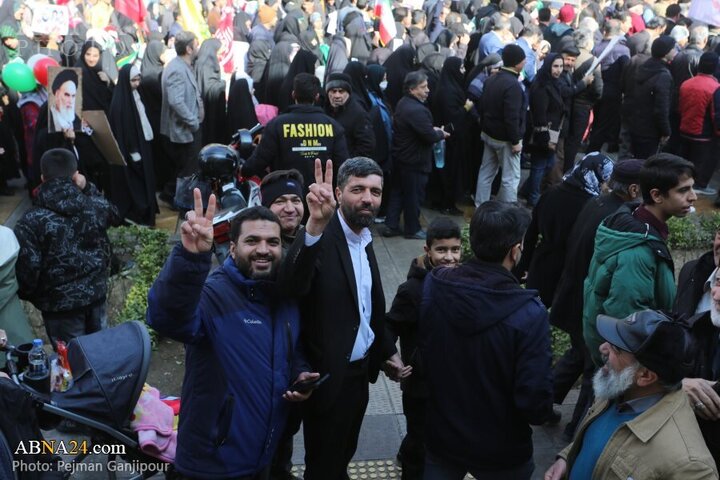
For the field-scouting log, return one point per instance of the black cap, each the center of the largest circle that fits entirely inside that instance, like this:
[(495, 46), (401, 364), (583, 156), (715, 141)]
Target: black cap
[(708, 63), (512, 55), (662, 45), (656, 340), (64, 75), (628, 171), (338, 80)]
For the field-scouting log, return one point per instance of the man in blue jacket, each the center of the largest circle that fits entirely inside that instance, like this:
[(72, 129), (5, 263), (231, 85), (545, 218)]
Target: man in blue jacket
[(241, 334), (485, 345)]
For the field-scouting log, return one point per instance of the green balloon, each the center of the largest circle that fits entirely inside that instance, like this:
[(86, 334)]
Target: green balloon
[(19, 77)]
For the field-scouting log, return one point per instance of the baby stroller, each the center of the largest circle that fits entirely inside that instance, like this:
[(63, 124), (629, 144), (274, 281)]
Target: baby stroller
[(109, 370)]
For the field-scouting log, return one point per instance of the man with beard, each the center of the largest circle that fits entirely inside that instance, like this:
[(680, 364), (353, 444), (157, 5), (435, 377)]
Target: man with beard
[(62, 108), (182, 110), (343, 314), (705, 329), (241, 333), (642, 425)]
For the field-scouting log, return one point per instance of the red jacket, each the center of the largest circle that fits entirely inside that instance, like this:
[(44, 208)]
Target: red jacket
[(700, 107)]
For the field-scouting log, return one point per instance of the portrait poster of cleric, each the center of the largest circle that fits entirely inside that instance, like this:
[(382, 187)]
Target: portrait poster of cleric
[(64, 99)]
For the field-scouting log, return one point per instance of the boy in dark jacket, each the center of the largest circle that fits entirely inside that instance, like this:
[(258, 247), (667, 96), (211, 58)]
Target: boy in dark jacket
[(443, 248), (64, 259), (652, 99), (485, 346)]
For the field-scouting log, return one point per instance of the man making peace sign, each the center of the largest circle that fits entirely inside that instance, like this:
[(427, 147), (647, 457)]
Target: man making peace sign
[(241, 333)]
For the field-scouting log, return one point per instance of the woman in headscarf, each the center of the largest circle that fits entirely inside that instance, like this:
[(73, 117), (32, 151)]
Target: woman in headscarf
[(358, 81), (553, 218), (339, 55), (97, 88), (150, 91), (212, 90), (398, 64), (290, 28), (276, 69), (241, 107), (132, 187), (355, 31), (258, 56), (432, 66), (448, 109), (304, 62), (547, 110), (381, 120), (9, 49)]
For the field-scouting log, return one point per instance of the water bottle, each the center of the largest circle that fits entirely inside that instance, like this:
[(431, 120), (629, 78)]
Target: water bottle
[(38, 360), (439, 153)]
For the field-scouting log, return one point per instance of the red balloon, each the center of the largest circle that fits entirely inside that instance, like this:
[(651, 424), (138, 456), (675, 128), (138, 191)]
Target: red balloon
[(41, 69)]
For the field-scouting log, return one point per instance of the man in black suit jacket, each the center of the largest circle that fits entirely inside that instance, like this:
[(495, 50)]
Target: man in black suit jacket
[(343, 315)]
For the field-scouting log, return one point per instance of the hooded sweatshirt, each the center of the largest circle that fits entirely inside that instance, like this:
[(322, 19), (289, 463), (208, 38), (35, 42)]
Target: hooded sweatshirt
[(485, 348), (631, 270)]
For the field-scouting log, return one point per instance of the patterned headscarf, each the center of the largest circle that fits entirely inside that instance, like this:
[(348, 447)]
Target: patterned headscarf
[(590, 173)]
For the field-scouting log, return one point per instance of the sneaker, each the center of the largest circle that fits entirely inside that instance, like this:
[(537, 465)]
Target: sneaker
[(419, 235), (379, 220), (388, 232), (706, 192)]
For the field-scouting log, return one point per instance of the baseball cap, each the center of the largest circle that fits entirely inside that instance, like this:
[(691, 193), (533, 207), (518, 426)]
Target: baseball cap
[(656, 340)]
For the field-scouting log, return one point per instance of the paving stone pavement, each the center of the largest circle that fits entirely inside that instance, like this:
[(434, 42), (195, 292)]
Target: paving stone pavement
[(384, 424)]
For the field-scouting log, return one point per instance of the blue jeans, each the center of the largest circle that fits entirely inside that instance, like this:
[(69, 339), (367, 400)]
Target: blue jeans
[(540, 165), (437, 469)]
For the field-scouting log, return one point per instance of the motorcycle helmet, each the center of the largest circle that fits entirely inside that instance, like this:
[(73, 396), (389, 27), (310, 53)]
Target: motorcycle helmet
[(217, 161)]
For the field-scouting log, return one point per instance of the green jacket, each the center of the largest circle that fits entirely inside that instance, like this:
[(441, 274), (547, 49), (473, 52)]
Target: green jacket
[(631, 270)]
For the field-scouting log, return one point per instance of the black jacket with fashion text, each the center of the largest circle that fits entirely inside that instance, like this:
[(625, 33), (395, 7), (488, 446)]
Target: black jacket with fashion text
[(295, 139), (650, 113), (359, 134), (503, 107), (413, 135)]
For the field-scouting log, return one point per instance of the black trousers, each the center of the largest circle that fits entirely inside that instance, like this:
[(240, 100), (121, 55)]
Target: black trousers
[(703, 155), (407, 194), (644, 147), (74, 323), (606, 123), (412, 448), (331, 436), (578, 124), (281, 466), (576, 361)]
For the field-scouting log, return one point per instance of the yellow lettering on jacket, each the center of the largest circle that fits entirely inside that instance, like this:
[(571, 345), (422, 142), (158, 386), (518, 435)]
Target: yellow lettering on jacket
[(304, 130)]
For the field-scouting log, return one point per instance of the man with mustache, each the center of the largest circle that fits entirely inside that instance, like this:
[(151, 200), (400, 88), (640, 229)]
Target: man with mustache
[(642, 425), (343, 314), (281, 192), (241, 330), (62, 108), (701, 386)]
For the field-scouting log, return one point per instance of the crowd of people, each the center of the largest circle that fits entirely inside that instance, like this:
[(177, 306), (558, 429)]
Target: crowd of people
[(371, 111)]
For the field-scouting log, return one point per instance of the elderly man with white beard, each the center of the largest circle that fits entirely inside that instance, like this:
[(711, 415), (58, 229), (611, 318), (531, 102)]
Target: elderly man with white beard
[(642, 425), (702, 387), (62, 108)]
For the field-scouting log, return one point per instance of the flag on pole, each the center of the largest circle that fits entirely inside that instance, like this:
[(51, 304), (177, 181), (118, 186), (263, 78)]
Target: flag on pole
[(192, 19), (224, 33), (386, 22), (133, 9)]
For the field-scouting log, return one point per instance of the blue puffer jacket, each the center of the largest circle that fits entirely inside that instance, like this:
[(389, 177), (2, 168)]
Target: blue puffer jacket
[(485, 347), (238, 364)]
